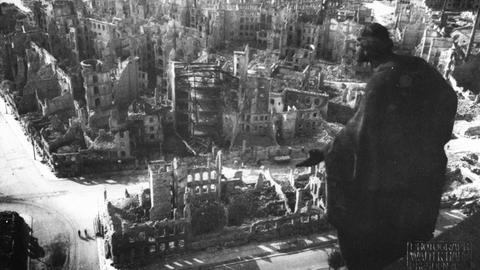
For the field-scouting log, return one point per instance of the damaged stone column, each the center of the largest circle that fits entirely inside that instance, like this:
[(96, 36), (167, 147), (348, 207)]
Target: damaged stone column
[(179, 184), (298, 200), (161, 179), (259, 185), (219, 166)]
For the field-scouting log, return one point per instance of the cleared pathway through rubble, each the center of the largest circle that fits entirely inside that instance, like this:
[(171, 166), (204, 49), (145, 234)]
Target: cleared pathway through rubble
[(57, 207)]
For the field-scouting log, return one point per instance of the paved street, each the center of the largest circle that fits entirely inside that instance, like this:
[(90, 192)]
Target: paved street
[(56, 207), (306, 259), (316, 258)]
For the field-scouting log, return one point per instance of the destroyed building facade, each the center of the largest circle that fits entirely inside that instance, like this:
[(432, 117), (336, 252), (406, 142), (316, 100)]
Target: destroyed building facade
[(197, 92), (143, 228)]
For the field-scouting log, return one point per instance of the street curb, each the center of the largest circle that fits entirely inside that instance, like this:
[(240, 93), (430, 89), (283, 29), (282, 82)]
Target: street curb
[(294, 247)]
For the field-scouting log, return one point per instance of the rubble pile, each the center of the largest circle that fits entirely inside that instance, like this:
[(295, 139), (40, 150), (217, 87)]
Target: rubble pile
[(467, 110), (334, 72), (328, 132), (463, 184), (130, 209), (462, 190), (465, 197)]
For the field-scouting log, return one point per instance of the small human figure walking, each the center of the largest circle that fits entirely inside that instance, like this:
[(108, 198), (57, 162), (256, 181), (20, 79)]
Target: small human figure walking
[(86, 233), (79, 233)]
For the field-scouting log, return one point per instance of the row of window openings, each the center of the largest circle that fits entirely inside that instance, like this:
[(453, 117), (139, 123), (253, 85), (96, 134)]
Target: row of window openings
[(202, 190), (254, 127), (308, 125), (308, 115), (247, 34), (196, 177), (167, 246), (307, 100), (306, 30), (98, 26), (308, 39), (167, 231), (255, 118), (242, 19), (252, 27), (272, 226)]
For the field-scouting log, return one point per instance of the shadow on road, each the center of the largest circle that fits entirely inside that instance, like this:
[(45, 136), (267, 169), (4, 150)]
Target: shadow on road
[(35, 251), (110, 179), (267, 259), (86, 237), (56, 252)]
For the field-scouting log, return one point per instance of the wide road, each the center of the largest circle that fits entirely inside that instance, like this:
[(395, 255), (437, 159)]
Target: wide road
[(306, 259), (56, 207), (316, 258)]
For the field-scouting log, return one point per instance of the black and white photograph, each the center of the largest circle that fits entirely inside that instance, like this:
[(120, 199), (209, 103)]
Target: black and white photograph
[(240, 134)]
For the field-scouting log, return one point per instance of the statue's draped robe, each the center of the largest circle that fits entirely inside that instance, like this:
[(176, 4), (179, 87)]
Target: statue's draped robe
[(386, 168)]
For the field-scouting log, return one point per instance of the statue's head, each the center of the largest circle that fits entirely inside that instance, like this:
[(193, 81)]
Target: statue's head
[(373, 43)]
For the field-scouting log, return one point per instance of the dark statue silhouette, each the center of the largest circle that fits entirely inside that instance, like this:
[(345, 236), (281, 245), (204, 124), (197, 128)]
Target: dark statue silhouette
[(386, 168)]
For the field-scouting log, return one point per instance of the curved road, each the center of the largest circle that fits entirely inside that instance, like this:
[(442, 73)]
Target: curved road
[(28, 187), (42, 220), (57, 207)]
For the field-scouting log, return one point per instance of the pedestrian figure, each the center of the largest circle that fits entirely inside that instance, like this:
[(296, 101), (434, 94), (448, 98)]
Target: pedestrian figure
[(79, 233), (86, 234)]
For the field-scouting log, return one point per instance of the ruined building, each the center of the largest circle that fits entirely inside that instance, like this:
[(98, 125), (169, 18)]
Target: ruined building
[(453, 5), (276, 101), (198, 92), (107, 89), (98, 92), (172, 183), (258, 99), (98, 37), (60, 20), (142, 228), (432, 45), (46, 87), (272, 24), (147, 120)]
